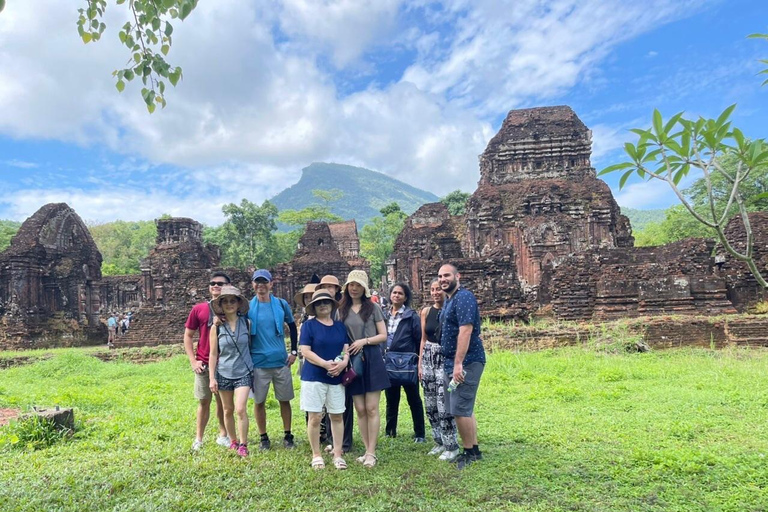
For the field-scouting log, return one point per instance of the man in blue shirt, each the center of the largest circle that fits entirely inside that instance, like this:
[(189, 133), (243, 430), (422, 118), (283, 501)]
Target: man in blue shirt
[(271, 362), (464, 358)]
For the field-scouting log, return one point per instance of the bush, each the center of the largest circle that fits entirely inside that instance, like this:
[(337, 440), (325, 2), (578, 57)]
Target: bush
[(32, 433)]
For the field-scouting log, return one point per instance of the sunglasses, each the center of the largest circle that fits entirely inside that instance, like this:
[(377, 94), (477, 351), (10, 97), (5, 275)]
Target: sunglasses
[(324, 302), (217, 283), (230, 301)]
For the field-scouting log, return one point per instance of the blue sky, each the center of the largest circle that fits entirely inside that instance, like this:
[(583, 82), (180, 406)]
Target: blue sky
[(411, 89)]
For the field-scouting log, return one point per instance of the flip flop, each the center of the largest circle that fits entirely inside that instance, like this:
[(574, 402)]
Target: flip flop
[(340, 463), (370, 460), (318, 463)]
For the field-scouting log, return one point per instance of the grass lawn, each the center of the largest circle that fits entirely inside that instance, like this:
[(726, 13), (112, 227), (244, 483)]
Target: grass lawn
[(565, 429)]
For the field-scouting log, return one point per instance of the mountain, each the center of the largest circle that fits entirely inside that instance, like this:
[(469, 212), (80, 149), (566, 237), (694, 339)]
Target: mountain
[(365, 192), (641, 218)]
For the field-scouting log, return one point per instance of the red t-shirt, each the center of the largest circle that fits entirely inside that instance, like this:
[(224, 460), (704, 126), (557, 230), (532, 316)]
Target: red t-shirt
[(198, 321)]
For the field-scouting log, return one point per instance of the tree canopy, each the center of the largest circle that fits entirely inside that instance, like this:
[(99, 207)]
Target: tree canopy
[(456, 202), (377, 239)]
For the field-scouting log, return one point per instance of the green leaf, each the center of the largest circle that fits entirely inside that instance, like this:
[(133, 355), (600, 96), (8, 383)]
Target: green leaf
[(2, 5), (86, 37), (616, 167), (161, 86), (120, 2), (175, 76), (168, 29), (167, 4), (756, 36), (151, 107), (164, 49), (120, 85), (725, 115), (624, 178), (121, 36), (137, 57), (658, 123), (156, 24), (186, 8), (129, 74), (672, 122)]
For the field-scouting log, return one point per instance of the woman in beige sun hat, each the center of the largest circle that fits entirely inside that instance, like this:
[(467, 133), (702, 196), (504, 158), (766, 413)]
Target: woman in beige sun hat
[(230, 366)]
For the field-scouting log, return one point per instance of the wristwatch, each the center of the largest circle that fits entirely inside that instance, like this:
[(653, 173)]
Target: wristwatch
[(294, 353)]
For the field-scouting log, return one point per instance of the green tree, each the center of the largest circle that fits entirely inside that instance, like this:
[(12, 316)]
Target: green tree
[(669, 150), (456, 202), (148, 38), (377, 239), (8, 228), (299, 218), (328, 196), (247, 237), (123, 244)]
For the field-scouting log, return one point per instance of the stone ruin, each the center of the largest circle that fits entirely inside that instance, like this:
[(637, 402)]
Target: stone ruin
[(51, 287), (543, 232)]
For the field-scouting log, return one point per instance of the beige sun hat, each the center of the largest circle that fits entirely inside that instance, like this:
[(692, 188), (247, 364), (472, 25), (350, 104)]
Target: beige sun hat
[(359, 277), (230, 291), (299, 297), (330, 279), (317, 297)]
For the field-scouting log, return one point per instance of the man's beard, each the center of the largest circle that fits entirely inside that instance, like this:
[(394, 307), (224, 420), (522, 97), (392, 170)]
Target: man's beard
[(450, 287)]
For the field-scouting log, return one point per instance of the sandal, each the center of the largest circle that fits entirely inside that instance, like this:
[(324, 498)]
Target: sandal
[(318, 463), (340, 463), (361, 459), (370, 460), (329, 448)]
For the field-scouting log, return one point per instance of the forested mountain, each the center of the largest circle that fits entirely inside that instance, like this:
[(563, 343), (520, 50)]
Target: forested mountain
[(639, 219), (362, 192)]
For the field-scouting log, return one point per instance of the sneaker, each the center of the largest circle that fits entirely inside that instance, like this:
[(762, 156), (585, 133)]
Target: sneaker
[(449, 455), (223, 441), (436, 450), (464, 460), (288, 441), (242, 450), (197, 445), (419, 440), (264, 444), (233, 445)]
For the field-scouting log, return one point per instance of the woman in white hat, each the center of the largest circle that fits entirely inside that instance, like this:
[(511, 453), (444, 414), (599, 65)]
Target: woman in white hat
[(230, 366), (324, 345), (365, 325)]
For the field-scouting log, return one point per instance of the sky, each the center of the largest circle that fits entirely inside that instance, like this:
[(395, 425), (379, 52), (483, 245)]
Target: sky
[(414, 90)]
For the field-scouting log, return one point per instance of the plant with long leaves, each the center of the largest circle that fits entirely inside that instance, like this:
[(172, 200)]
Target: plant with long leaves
[(148, 37), (764, 61), (670, 150)]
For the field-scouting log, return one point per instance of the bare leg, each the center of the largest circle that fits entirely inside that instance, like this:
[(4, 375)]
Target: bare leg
[(228, 403), (285, 413), (220, 416), (241, 406), (467, 426), (337, 429), (260, 413), (313, 433), (362, 419), (372, 400), (203, 413)]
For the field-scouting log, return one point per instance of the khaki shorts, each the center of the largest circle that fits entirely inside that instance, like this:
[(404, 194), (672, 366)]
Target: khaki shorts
[(202, 386), (281, 379)]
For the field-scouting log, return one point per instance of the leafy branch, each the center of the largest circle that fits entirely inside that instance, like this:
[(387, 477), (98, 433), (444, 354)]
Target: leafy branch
[(668, 151), (148, 37), (764, 61)]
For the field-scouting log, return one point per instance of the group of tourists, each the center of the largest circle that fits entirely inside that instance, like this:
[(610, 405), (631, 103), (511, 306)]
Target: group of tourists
[(351, 349), (117, 325)]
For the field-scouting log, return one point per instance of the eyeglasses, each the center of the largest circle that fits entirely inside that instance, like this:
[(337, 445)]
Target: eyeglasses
[(230, 301), (217, 283)]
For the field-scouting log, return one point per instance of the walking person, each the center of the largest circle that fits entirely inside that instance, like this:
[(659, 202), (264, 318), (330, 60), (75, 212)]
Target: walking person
[(325, 348), (200, 320), (111, 330), (271, 362), (464, 359), (366, 329), (403, 335), (432, 377), (230, 367)]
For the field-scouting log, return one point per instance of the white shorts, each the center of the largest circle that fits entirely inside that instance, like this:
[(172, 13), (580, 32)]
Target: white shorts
[(315, 395)]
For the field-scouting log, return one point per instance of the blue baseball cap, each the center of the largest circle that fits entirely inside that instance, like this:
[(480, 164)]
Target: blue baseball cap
[(262, 273)]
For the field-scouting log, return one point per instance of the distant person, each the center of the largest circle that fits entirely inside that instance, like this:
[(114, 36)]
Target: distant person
[(331, 283), (111, 330), (231, 368), (271, 362), (365, 325), (324, 344), (464, 359), (432, 377), (123, 325), (200, 321), (375, 297), (403, 335)]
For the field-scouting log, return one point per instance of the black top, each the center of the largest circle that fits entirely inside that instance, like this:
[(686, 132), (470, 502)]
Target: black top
[(432, 325)]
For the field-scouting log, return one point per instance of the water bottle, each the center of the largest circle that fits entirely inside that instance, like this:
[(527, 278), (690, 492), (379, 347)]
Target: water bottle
[(453, 384), (339, 358)]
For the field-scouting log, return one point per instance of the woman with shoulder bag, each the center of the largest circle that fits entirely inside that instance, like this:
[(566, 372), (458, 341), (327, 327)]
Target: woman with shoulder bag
[(230, 367), (403, 342)]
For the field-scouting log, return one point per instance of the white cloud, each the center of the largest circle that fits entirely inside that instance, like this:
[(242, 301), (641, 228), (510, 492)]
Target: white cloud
[(21, 164)]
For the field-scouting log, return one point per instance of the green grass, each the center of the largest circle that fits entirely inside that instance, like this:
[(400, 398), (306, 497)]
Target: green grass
[(565, 429)]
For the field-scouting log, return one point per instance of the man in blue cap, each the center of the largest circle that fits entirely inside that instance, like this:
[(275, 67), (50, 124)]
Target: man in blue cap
[(271, 361)]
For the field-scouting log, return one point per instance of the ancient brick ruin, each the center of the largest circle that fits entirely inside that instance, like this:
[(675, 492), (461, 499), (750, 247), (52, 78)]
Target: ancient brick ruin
[(542, 231)]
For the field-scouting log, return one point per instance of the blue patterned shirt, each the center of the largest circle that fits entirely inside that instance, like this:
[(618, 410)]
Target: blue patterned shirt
[(461, 309)]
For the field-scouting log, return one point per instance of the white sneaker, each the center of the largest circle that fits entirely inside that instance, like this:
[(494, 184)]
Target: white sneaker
[(436, 450), (224, 441), (449, 455), (197, 445)]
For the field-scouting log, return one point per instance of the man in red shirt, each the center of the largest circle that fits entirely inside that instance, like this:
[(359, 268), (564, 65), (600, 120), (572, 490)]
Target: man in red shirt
[(201, 319)]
